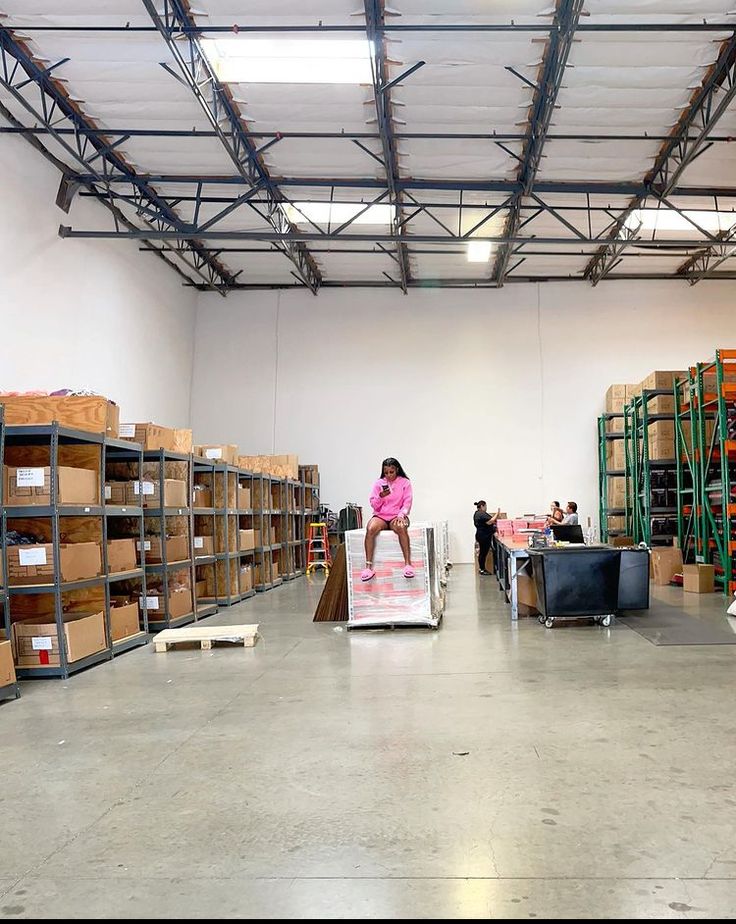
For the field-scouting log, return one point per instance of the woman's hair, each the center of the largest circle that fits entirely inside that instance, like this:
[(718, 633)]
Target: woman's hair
[(480, 504), (556, 503), (394, 463)]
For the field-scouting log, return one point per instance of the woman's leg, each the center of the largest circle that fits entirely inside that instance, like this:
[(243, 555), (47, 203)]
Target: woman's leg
[(484, 546), (375, 526), (404, 542)]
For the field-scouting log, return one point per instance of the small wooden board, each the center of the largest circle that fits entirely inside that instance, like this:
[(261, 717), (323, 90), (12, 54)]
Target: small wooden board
[(206, 636)]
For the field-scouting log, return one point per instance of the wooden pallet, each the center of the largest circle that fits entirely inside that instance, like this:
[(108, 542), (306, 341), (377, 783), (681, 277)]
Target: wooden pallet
[(206, 636)]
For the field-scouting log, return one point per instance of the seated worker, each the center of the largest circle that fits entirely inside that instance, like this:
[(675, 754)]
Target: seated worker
[(556, 515), (571, 515)]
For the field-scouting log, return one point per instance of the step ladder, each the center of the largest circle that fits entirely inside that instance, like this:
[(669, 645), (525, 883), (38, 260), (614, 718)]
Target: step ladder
[(318, 548)]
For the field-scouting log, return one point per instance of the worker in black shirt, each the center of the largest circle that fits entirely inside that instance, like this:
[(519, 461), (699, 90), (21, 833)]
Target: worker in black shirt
[(485, 527)]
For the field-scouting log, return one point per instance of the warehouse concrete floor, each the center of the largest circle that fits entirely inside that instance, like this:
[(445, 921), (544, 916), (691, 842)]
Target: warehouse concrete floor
[(483, 770)]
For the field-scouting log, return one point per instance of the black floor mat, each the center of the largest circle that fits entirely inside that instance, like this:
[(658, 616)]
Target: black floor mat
[(663, 624)]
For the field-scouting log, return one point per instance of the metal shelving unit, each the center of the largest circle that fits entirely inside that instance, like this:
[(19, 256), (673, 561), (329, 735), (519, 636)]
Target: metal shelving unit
[(310, 506), (245, 521), (607, 509), (44, 444), (653, 481), (119, 519), (8, 690), (687, 455)]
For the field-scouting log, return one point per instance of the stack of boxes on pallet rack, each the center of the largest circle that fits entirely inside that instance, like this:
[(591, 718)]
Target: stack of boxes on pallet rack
[(637, 465), (107, 535)]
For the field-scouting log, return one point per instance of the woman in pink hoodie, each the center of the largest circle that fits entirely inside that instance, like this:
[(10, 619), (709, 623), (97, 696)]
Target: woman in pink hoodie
[(391, 500)]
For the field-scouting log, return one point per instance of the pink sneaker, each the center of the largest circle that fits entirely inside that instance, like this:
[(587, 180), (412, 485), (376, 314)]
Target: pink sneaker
[(408, 572), (367, 574)]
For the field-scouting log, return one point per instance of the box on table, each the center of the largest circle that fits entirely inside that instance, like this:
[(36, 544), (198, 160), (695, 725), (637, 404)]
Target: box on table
[(218, 453), (177, 549), (123, 618), (245, 578), (247, 540), (204, 545), (7, 667), (202, 497), (698, 579), (34, 564), (243, 502), (666, 563), (148, 494), (91, 413), (621, 541), (154, 436), (36, 640), (121, 555), (29, 486), (661, 379)]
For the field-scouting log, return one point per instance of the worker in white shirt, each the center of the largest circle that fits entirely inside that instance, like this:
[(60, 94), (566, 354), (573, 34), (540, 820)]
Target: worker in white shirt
[(571, 515)]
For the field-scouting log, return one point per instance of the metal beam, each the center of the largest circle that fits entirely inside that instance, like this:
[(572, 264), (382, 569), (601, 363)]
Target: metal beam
[(374, 23), (687, 141), (702, 264), (49, 106), (175, 27), (559, 45)]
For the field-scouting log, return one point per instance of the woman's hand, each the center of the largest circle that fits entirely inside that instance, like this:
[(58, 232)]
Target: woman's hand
[(402, 521), (385, 491)]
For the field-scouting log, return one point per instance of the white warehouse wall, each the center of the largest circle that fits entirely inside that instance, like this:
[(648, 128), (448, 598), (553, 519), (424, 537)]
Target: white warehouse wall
[(481, 394), (86, 313)]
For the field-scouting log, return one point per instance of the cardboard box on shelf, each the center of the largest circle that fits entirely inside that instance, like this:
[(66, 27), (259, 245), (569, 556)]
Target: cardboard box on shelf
[(154, 436), (244, 500), (247, 539), (666, 562), (91, 413), (275, 572), (116, 493), (177, 549), (180, 603), (616, 522), (123, 618), (36, 640), (245, 578), (34, 564), (616, 492), (527, 595), (202, 497), (147, 493), (32, 486), (7, 668), (661, 404), (661, 379), (615, 425), (309, 474), (218, 453), (633, 391), (200, 589), (662, 430), (615, 398), (615, 455), (121, 555), (661, 450), (698, 579), (204, 545)]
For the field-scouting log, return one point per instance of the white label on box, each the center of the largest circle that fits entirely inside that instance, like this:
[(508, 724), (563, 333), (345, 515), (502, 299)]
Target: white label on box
[(146, 545), (213, 453), (41, 643), (28, 557), (108, 492), (152, 603), (199, 542), (147, 487), (127, 430), (29, 477)]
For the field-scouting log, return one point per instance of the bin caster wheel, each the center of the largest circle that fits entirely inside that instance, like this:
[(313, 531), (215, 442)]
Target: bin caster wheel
[(606, 621), (549, 623), (541, 619)]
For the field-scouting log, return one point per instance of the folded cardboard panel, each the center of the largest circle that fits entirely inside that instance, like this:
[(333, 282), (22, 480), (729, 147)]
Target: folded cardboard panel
[(36, 640)]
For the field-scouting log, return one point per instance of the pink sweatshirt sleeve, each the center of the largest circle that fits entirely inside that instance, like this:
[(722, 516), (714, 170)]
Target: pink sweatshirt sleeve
[(376, 501), (407, 500)]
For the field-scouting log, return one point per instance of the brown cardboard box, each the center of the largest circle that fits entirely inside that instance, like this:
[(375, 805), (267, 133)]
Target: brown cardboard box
[(633, 391), (698, 579), (244, 498), (7, 668), (666, 562), (32, 486), (154, 436), (202, 497), (180, 604), (661, 379), (200, 588), (34, 564), (147, 493), (615, 454), (37, 644), (526, 591), (620, 541), (616, 492), (246, 579), (204, 545), (309, 474), (275, 573), (116, 493), (177, 549), (615, 398), (617, 522), (661, 450), (121, 555), (218, 453), (661, 404), (247, 540), (616, 425), (662, 430), (123, 619), (92, 413)]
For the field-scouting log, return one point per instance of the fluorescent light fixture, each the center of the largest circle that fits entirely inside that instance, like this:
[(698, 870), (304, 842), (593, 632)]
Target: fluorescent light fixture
[(666, 219), (479, 251), (249, 60), (337, 213)]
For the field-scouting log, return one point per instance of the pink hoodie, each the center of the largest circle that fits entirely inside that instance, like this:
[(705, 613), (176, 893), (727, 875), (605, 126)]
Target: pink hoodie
[(397, 503)]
